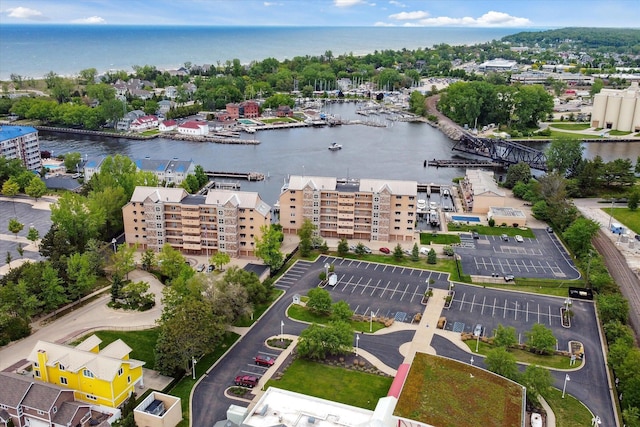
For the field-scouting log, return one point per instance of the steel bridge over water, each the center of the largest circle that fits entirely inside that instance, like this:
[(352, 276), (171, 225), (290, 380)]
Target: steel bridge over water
[(505, 152)]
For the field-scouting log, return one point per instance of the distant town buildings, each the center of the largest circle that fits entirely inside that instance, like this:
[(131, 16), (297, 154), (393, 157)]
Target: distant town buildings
[(104, 377), (365, 209), (247, 109), (21, 142), (222, 221), (498, 65), (617, 109), (197, 128)]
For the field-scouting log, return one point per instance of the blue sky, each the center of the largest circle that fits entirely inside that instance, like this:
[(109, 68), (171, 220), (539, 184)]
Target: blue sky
[(451, 13)]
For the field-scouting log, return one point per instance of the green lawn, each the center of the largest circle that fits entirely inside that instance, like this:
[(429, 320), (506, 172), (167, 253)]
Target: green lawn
[(540, 286), (551, 361), (570, 126), (569, 411), (279, 120), (337, 384), (618, 133), (301, 313), (438, 239), (626, 217)]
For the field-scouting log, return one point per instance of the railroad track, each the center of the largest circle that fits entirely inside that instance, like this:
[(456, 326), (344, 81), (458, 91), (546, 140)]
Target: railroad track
[(627, 281)]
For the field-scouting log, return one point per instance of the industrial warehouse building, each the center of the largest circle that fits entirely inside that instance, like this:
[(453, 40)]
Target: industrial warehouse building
[(617, 109)]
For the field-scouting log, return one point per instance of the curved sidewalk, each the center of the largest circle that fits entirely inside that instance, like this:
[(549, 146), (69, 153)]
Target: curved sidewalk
[(94, 315)]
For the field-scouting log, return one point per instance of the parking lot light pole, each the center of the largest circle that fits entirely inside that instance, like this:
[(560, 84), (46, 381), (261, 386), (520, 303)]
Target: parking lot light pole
[(193, 367), (281, 330), (477, 342), (564, 387), (357, 341), (371, 322), (471, 360), (113, 242)]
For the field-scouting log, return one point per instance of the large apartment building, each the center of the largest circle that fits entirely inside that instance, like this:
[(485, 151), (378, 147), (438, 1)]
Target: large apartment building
[(21, 142), (364, 209), (223, 220)]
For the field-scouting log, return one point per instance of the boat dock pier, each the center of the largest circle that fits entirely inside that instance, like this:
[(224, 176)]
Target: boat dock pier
[(248, 176)]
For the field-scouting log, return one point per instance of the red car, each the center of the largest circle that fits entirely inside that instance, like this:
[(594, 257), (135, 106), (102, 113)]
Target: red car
[(263, 360), (246, 381), (385, 250)]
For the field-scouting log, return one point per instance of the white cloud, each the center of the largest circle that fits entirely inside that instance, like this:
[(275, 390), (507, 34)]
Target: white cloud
[(24, 13), (489, 19), (269, 3), (347, 3), (383, 24), (397, 3), (409, 16), (90, 20)]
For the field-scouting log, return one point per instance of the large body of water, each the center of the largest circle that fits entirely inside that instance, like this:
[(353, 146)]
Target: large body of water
[(394, 152), (34, 50)]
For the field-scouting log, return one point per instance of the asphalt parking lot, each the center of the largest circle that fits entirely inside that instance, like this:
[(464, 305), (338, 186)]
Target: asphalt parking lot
[(543, 257), (29, 217), (385, 290)]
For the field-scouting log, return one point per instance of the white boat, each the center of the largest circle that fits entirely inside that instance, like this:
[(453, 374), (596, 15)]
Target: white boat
[(335, 146), (536, 420), (250, 130)]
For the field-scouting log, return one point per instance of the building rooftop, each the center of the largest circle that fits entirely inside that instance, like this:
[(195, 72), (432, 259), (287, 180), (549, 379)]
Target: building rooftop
[(510, 212), (279, 407), (10, 132)]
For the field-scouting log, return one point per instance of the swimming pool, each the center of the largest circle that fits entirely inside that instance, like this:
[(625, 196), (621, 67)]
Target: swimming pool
[(52, 167), (461, 218), (246, 122)]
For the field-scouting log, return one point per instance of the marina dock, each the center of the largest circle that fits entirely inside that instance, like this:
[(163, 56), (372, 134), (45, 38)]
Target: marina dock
[(247, 176)]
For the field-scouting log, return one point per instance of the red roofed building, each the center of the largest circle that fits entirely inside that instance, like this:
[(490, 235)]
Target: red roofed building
[(168, 125), (194, 128), (143, 123), (233, 110), (250, 109), (284, 111)]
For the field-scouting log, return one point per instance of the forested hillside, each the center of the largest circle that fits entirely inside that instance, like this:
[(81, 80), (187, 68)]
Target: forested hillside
[(624, 39)]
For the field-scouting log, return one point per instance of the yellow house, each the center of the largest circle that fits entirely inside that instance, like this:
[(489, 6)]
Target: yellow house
[(104, 377)]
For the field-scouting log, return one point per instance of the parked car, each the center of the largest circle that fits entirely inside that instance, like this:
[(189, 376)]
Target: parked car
[(75, 176), (508, 277), (263, 360), (425, 250), (477, 331), (519, 238), (385, 250), (352, 248), (211, 268), (367, 250), (475, 235), (246, 381), (200, 268), (549, 230), (505, 237)]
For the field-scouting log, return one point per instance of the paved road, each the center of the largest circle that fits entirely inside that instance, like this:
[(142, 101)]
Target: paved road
[(209, 403)]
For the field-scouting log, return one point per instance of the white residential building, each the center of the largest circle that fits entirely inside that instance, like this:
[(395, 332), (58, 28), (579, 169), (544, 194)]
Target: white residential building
[(21, 142)]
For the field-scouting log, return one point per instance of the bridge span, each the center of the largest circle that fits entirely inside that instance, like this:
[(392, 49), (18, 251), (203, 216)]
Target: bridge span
[(503, 151)]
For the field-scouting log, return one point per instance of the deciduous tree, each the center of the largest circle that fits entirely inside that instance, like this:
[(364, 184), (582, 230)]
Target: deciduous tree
[(541, 339), (268, 247), (319, 301), (501, 362), (36, 188), (220, 259)]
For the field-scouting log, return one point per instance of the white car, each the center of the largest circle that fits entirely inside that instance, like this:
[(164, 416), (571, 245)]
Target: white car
[(425, 250), (519, 238)]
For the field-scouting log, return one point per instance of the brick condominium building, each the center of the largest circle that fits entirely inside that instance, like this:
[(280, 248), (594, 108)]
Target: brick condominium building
[(364, 209), (223, 220)]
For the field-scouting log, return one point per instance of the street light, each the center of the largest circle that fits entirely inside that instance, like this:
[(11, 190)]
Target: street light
[(113, 242), (371, 322), (281, 329), (564, 387), (357, 341), (193, 367), (611, 213), (471, 360)]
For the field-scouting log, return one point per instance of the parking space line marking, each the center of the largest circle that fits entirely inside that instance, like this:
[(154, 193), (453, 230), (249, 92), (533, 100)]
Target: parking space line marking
[(405, 291), (483, 301), (375, 287), (365, 286), (356, 285), (504, 316), (394, 291), (415, 292), (366, 311), (462, 302), (346, 284), (493, 312), (356, 309), (472, 303), (385, 289)]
